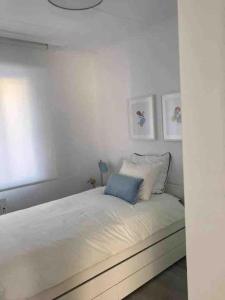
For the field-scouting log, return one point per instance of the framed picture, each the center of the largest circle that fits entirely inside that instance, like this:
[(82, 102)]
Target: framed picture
[(172, 118), (141, 118)]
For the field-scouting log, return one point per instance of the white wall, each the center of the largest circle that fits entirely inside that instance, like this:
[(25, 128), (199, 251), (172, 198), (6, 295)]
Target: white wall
[(75, 114), (147, 64), (202, 51)]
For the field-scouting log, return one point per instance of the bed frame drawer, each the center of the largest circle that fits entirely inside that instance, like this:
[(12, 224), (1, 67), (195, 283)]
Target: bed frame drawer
[(124, 278)]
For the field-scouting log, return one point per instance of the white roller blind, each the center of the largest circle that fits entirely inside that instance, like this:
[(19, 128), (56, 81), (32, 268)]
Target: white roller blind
[(26, 143)]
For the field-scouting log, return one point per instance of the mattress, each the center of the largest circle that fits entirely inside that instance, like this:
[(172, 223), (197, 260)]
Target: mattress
[(67, 241)]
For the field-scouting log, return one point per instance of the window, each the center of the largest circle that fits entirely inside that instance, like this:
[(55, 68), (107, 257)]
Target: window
[(26, 149)]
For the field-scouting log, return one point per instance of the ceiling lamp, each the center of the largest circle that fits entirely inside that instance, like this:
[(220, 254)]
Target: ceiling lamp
[(75, 4)]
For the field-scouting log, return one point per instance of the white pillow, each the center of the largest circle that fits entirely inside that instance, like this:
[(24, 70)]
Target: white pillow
[(152, 159), (147, 172)]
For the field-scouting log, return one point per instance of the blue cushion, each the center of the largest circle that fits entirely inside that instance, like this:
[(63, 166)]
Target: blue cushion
[(124, 187)]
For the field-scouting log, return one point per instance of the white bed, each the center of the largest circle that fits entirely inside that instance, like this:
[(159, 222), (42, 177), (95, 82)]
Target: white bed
[(88, 246)]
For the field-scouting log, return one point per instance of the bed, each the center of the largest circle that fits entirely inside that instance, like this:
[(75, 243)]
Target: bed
[(88, 246)]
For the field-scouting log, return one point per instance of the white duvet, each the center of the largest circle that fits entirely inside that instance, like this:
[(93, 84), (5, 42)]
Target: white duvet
[(43, 246)]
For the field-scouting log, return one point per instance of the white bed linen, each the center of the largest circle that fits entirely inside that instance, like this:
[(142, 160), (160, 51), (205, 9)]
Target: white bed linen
[(44, 245)]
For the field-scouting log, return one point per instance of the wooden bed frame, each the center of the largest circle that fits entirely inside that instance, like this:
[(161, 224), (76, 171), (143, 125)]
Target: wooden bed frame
[(125, 277)]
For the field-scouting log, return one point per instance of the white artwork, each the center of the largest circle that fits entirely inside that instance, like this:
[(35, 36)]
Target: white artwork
[(172, 118), (141, 117)]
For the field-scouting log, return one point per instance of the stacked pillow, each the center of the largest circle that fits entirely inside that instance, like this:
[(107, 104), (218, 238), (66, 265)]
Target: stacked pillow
[(151, 159), (148, 173), (140, 177), (123, 187)]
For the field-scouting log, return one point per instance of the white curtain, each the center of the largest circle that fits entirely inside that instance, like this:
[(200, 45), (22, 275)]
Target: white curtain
[(26, 144)]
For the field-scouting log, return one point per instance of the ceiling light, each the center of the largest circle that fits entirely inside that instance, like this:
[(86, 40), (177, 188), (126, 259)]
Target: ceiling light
[(75, 4)]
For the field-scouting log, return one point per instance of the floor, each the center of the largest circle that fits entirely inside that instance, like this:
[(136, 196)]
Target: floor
[(170, 285)]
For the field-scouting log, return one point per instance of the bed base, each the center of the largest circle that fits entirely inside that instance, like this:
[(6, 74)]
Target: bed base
[(124, 278)]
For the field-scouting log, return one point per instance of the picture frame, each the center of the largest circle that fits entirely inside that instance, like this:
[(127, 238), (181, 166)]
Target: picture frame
[(172, 117), (142, 117)]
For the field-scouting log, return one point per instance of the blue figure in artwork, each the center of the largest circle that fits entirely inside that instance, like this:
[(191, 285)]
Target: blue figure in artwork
[(142, 119)]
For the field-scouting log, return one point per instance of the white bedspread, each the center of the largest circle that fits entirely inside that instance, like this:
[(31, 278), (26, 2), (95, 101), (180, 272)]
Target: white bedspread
[(44, 245)]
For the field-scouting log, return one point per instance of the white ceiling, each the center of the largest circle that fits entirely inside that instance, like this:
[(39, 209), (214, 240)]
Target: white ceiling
[(112, 21)]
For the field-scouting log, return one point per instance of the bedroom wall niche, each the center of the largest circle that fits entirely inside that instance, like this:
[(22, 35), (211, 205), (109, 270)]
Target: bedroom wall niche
[(89, 109), (145, 65)]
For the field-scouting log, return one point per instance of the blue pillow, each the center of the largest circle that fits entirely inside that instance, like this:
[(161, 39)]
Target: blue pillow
[(124, 187)]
